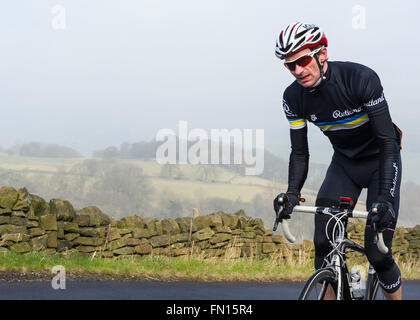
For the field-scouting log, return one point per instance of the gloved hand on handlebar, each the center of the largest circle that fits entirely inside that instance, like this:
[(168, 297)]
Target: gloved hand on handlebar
[(288, 201), (384, 216)]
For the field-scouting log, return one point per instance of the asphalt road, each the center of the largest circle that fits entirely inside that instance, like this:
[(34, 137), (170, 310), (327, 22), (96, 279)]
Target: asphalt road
[(158, 290)]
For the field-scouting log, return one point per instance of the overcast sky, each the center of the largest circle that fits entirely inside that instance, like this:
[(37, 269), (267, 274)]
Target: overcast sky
[(121, 70)]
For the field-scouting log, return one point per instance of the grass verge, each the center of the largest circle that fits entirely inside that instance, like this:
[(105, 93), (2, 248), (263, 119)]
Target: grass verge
[(160, 267), (174, 268)]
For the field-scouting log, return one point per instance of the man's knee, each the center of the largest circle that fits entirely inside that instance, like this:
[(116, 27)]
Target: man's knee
[(380, 262)]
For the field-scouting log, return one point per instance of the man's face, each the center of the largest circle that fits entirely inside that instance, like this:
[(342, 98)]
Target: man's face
[(308, 75)]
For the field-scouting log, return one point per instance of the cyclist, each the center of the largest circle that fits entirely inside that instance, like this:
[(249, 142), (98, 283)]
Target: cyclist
[(346, 101)]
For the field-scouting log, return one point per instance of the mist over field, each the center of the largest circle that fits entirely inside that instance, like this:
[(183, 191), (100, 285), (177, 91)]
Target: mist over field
[(90, 74)]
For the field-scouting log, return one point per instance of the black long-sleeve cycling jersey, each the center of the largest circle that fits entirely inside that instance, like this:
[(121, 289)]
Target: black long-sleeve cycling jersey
[(350, 109)]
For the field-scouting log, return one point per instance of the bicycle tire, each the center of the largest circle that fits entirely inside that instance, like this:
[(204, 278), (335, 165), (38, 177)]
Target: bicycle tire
[(312, 289)]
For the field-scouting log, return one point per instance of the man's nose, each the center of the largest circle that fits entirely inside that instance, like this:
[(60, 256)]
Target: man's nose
[(298, 69)]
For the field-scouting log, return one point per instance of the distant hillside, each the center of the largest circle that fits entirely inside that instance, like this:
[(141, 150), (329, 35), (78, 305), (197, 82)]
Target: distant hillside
[(43, 150), (276, 170)]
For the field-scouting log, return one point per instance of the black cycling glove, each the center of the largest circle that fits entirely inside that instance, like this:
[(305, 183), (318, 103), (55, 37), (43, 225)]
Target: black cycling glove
[(384, 216), (288, 201)]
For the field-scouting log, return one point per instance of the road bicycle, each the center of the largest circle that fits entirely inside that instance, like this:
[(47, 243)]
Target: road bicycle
[(334, 276)]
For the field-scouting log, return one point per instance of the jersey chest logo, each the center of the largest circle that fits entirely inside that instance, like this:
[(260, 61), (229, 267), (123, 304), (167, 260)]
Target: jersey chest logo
[(344, 119), (348, 112)]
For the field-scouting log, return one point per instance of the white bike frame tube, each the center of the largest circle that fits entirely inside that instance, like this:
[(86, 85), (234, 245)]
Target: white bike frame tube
[(336, 263)]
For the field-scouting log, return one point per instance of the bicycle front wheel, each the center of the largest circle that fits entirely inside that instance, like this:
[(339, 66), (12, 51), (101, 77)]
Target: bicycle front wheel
[(321, 285)]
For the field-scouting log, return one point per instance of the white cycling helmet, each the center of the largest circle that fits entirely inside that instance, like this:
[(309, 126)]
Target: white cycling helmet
[(297, 37)]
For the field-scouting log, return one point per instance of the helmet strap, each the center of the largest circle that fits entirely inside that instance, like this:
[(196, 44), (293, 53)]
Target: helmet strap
[(321, 69), (321, 72)]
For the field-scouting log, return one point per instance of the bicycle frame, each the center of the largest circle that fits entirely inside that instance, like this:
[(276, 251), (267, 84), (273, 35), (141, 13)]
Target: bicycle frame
[(339, 265), (337, 261)]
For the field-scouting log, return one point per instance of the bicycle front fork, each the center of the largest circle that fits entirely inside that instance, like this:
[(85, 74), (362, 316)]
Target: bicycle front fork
[(336, 263)]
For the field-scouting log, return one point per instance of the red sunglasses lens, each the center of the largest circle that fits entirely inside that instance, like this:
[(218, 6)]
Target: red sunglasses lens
[(302, 62)]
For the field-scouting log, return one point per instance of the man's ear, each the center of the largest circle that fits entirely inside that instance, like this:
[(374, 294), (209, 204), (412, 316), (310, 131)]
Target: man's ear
[(323, 55)]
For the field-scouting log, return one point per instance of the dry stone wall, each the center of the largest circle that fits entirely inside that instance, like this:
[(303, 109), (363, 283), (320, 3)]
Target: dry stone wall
[(29, 223)]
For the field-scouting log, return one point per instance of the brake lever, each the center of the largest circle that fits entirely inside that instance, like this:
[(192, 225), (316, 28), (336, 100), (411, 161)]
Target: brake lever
[(276, 222), (379, 237)]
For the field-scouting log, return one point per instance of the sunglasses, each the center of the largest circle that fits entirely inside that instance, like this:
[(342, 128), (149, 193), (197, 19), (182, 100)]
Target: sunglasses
[(302, 61)]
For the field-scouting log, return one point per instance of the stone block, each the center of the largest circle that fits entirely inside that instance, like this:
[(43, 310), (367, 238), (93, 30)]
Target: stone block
[(143, 233), (34, 232), (20, 247), (180, 237), (39, 243), (132, 242), (220, 237), (278, 239), (48, 222), (8, 197), (181, 251), (39, 206), (222, 229), (248, 234), (170, 226), (143, 249), (203, 234), (70, 227), (184, 224), (63, 209), (113, 234), (10, 228), (92, 232), (96, 217), (123, 251), (159, 241), (52, 239), (18, 221), (71, 236), (82, 219), (32, 224), (89, 241), (4, 219), (15, 237), (131, 222), (88, 249), (63, 245), (115, 244), (23, 202)]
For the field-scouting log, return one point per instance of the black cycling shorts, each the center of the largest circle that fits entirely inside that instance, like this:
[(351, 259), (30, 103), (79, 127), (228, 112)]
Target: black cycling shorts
[(347, 177)]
